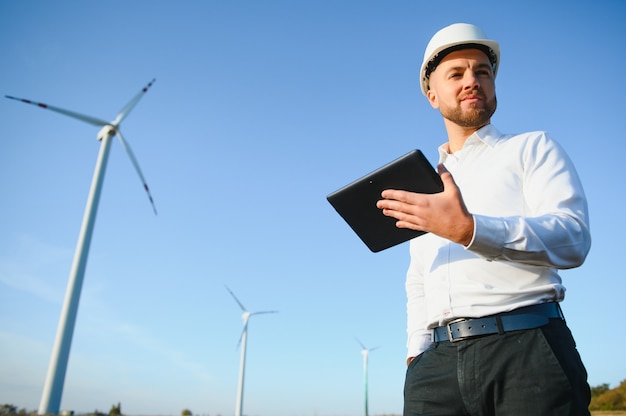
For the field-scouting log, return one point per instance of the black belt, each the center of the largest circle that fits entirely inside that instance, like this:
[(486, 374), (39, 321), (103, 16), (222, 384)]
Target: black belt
[(528, 317)]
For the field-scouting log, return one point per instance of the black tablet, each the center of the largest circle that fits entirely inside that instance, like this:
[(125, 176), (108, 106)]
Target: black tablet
[(356, 202)]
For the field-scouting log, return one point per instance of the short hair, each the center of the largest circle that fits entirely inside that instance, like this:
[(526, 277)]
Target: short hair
[(434, 63)]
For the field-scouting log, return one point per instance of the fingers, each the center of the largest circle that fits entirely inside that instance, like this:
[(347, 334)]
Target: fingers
[(403, 206), (397, 195), (443, 214), (395, 200)]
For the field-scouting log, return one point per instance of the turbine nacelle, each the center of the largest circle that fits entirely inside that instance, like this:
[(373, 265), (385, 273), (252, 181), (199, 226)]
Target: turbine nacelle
[(106, 131)]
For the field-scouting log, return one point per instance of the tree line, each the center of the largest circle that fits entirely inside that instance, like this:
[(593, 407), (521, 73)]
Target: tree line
[(602, 398), (116, 410), (9, 410)]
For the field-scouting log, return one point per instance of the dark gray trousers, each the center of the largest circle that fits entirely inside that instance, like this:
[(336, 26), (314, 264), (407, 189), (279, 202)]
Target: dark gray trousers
[(535, 372)]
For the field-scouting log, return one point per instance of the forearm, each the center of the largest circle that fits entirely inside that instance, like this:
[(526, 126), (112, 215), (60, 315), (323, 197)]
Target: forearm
[(558, 240)]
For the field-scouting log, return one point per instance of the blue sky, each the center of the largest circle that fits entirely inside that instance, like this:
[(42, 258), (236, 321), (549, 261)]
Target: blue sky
[(259, 110)]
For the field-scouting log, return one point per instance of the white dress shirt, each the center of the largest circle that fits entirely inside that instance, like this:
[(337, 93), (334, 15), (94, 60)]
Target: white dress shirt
[(531, 218)]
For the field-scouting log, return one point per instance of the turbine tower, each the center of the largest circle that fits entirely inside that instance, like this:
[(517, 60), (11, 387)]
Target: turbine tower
[(53, 387), (365, 352), (243, 340)]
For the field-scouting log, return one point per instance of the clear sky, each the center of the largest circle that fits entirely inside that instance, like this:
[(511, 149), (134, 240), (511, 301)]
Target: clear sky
[(259, 110)]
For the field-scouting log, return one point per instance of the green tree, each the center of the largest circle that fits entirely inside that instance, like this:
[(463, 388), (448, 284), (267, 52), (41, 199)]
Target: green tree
[(186, 412), (598, 390), (614, 399), (8, 409), (116, 410)]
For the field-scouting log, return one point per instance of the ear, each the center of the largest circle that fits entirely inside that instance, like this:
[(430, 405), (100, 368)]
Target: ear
[(431, 95)]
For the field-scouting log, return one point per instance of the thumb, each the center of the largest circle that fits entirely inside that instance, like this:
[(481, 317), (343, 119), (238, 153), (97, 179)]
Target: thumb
[(446, 176)]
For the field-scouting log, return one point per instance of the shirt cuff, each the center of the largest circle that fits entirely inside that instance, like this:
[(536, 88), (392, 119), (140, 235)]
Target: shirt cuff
[(418, 343), (488, 239)]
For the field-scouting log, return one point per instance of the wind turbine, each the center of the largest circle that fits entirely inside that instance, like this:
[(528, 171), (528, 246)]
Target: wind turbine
[(243, 341), (365, 352), (53, 387)]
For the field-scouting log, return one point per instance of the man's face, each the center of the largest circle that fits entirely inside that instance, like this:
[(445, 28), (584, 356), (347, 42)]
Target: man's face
[(462, 87)]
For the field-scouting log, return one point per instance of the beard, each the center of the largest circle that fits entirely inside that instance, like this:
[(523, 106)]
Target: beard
[(474, 117)]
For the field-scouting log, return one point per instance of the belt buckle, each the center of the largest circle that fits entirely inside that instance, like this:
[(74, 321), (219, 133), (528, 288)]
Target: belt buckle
[(449, 328)]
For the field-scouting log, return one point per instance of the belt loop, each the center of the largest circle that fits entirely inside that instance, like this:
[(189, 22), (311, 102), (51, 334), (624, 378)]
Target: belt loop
[(499, 325)]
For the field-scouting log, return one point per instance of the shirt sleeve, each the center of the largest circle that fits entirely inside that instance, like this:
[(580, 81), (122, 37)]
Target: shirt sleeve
[(554, 230)]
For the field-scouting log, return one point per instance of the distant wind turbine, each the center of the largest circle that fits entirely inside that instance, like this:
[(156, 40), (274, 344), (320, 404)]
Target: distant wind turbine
[(243, 341), (365, 352), (53, 388)]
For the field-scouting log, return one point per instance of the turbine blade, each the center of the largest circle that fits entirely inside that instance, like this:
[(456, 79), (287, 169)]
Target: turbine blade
[(131, 104), (82, 117), (236, 300), (261, 312), (360, 343), (134, 161)]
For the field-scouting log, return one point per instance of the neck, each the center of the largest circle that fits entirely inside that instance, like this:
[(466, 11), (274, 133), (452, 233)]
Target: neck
[(457, 135)]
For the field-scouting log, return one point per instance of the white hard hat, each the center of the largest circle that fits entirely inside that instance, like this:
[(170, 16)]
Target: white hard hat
[(454, 37)]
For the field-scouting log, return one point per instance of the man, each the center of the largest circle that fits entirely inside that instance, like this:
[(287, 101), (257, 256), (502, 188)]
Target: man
[(486, 335)]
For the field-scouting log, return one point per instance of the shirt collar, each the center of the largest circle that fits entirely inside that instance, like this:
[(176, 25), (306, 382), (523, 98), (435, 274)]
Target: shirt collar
[(488, 135)]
